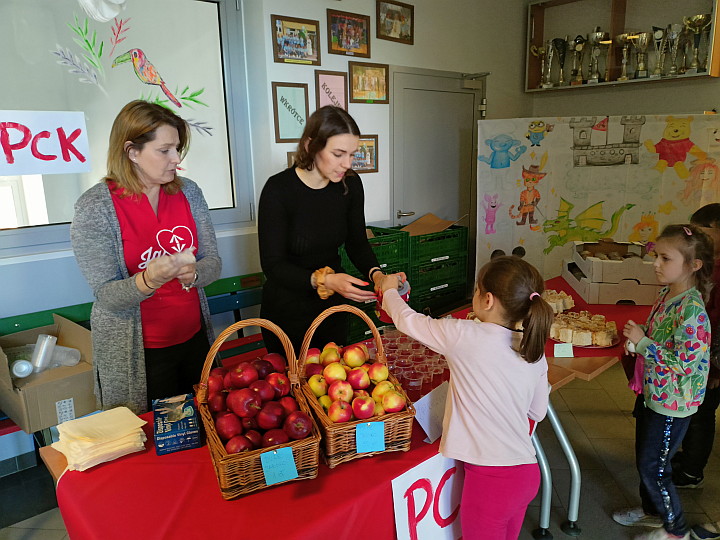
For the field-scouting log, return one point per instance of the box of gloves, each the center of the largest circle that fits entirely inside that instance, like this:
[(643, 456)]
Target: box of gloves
[(177, 426)]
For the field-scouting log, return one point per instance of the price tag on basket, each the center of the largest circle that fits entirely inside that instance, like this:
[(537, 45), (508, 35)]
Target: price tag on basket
[(370, 437), (278, 465)]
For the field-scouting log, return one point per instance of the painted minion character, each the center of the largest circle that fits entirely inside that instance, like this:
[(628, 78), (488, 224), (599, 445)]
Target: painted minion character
[(536, 131)]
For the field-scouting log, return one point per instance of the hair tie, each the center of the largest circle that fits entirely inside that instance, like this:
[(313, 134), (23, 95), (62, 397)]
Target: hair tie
[(687, 231), (533, 295)]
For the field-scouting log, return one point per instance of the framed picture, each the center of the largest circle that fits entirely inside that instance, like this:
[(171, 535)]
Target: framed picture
[(365, 159), (290, 158), (369, 83), (290, 110), (395, 21), (295, 41), (348, 33), (331, 88)]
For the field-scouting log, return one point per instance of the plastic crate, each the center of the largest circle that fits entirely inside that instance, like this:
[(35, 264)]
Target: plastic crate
[(434, 247), (391, 247), (439, 299), (427, 278), (358, 329)]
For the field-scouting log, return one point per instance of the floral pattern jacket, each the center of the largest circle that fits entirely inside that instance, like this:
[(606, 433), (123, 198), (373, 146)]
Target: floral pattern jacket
[(676, 351)]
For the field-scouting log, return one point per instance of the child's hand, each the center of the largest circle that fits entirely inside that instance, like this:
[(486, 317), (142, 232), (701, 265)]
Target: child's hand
[(633, 332), (392, 281)]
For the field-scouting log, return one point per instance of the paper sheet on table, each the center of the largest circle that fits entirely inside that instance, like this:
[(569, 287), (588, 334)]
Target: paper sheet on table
[(429, 412)]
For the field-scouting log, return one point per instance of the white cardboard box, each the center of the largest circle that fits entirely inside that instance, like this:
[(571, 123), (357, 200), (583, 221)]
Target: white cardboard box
[(626, 291), (55, 395), (608, 271)]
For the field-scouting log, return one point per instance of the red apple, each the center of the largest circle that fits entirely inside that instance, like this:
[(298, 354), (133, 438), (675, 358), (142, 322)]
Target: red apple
[(358, 378), (298, 425), (271, 416), (334, 372), (289, 404), (340, 411), (243, 375), (363, 407), (361, 393), (215, 383), (378, 372), (381, 388), (277, 360), (393, 401), (264, 390), (365, 350), (216, 401), (329, 355), (280, 383), (249, 423), (365, 366), (254, 437), (239, 443), (218, 371), (313, 369), (274, 437), (318, 385), (340, 390), (354, 356), (245, 402), (228, 425), (264, 368), (312, 356), (379, 411)]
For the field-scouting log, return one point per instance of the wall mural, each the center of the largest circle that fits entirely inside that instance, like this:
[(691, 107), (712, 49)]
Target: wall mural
[(590, 177)]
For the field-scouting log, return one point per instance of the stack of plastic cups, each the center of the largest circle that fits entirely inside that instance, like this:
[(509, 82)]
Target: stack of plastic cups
[(43, 352), (413, 384)]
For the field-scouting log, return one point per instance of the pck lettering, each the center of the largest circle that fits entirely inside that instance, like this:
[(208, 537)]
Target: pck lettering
[(24, 137)]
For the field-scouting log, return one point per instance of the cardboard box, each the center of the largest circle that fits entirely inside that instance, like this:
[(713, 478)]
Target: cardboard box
[(625, 292), (613, 271), (176, 424), (55, 395)]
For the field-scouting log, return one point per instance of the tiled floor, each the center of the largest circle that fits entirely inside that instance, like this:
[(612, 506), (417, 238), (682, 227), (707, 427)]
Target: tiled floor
[(595, 415)]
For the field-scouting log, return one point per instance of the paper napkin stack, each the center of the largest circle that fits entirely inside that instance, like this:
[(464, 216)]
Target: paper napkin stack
[(99, 438)]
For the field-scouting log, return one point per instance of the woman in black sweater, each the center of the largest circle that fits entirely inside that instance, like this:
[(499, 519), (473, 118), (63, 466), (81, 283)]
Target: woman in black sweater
[(305, 214)]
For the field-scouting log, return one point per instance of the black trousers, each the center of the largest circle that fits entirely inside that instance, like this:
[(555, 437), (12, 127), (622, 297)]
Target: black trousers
[(698, 442), (171, 371)]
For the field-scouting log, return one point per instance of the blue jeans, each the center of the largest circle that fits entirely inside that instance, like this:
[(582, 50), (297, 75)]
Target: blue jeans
[(657, 438)]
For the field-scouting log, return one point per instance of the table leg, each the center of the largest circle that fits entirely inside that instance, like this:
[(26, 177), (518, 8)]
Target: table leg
[(570, 527), (546, 487)]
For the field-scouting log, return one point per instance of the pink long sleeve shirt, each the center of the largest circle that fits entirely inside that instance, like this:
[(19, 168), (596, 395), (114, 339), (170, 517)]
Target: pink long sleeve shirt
[(493, 391)]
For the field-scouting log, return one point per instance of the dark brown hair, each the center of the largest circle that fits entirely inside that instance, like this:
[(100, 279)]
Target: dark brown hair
[(512, 281), (693, 244), (137, 123)]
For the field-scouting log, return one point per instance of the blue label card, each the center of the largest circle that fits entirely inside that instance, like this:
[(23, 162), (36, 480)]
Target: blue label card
[(370, 437), (278, 465), (563, 350)]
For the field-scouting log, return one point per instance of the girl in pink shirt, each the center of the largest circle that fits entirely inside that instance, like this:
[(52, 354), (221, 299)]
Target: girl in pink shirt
[(498, 379)]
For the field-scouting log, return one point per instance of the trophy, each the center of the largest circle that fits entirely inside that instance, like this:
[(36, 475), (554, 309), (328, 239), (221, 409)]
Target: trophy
[(706, 39), (660, 39), (540, 52), (674, 37), (578, 45), (624, 40), (560, 46), (641, 42), (696, 24), (595, 38), (548, 66)]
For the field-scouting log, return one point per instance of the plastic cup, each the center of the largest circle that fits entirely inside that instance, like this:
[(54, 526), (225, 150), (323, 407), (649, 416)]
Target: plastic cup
[(21, 368), (44, 347), (413, 384), (64, 356)]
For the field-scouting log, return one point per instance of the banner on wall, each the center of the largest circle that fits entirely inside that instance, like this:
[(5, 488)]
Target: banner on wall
[(544, 183), (43, 142)]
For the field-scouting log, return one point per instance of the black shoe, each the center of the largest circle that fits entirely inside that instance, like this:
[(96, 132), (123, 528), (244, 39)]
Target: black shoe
[(683, 480)]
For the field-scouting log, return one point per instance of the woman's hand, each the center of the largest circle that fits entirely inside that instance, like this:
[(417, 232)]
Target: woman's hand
[(633, 332), (168, 267), (345, 285)]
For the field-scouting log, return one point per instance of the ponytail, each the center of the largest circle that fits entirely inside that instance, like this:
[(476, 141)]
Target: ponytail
[(536, 330)]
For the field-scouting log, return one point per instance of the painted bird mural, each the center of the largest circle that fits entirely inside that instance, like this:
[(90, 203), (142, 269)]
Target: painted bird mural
[(145, 71)]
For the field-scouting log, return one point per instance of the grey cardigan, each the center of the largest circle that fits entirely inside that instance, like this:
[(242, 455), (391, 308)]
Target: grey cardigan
[(118, 352)]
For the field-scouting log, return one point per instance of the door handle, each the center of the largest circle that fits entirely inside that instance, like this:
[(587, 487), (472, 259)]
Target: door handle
[(400, 214)]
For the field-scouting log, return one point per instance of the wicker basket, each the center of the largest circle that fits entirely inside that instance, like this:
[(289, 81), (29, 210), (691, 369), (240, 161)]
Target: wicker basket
[(239, 474), (339, 443)]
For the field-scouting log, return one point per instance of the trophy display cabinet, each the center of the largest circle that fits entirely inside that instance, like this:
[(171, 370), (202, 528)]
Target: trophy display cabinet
[(585, 43)]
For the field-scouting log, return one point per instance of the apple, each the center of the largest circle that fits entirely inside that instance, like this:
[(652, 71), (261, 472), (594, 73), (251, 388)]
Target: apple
[(264, 368), (218, 371), (328, 356), (379, 411), (217, 401), (312, 356), (381, 388), (359, 393), (254, 437), (249, 423), (393, 401), (340, 411), (280, 382), (239, 443), (333, 345), (365, 366), (277, 360), (228, 425), (358, 378), (325, 401), (313, 369), (297, 425), (242, 375), (318, 385), (346, 368), (264, 390), (354, 356), (244, 402), (365, 350), (273, 437), (334, 372), (271, 416), (340, 390), (363, 407), (289, 404), (378, 372), (215, 383)]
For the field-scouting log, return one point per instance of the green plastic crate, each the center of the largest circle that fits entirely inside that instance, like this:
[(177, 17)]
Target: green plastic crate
[(433, 247), (391, 247), (358, 330), (440, 299), (427, 278)]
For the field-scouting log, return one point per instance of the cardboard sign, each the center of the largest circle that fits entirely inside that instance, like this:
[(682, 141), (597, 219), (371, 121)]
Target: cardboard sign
[(427, 500), (430, 410), (563, 350), (43, 142), (370, 437)]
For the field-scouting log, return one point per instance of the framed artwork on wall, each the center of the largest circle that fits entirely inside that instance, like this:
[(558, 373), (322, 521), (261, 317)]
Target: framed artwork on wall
[(365, 159), (395, 21), (295, 41), (369, 82), (331, 89), (290, 110), (348, 33)]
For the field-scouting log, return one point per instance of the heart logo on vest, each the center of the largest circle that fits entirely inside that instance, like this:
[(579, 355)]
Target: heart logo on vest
[(175, 240)]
